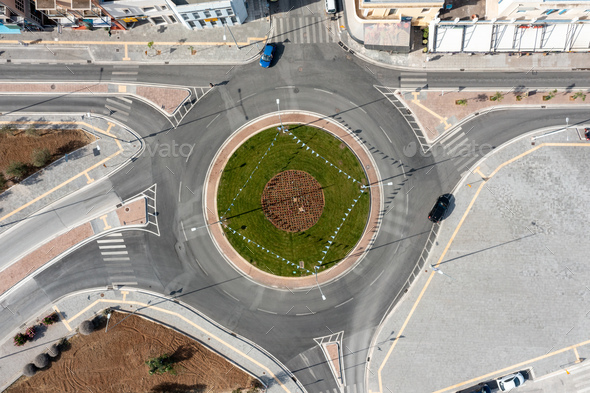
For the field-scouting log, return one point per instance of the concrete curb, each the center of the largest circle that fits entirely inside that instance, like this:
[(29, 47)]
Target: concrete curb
[(321, 277)]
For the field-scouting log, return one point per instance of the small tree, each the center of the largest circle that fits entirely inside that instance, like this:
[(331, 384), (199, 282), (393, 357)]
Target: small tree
[(29, 370), (580, 95), (40, 157), (53, 350), (461, 102), (16, 169), (497, 97), (161, 365), (86, 328), (30, 332), (41, 360), (150, 44), (550, 95)]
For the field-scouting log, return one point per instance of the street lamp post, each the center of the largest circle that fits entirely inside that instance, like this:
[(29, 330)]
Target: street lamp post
[(317, 282), (567, 123), (108, 318), (437, 270), (279, 109)]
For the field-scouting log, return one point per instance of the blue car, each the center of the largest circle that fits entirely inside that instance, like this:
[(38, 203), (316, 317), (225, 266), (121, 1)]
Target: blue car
[(267, 54)]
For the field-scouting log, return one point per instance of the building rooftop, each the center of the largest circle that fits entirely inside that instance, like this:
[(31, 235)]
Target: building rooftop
[(45, 4)]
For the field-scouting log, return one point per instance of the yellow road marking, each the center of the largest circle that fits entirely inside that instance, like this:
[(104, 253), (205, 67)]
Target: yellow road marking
[(126, 58), (514, 367), (429, 110), (124, 293), (111, 125), (90, 180), (106, 224), (236, 350), (67, 325), (122, 88), (478, 171), (578, 360), (59, 186), (379, 378)]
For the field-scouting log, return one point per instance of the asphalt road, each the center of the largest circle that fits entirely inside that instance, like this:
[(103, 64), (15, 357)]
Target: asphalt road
[(317, 78)]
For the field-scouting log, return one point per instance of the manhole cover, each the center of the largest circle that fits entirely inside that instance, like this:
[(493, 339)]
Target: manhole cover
[(296, 90), (52, 87)]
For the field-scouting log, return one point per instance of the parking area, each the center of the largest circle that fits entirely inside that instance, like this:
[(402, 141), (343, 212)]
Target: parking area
[(512, 289)]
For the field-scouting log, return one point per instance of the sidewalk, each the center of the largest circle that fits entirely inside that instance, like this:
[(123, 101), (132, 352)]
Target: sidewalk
[(507, 247), (172, 44), (170, 312)]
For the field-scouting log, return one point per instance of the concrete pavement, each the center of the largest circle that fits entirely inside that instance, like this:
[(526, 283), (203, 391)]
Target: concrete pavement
[(80, 306), (511, 290)]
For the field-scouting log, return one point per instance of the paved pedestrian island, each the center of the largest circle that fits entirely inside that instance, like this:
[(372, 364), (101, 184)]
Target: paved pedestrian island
[(511, 291)]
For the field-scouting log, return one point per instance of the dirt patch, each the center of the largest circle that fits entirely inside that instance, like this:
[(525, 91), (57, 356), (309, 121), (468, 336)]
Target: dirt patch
[(20, 146), (115, 362), (293, 201)]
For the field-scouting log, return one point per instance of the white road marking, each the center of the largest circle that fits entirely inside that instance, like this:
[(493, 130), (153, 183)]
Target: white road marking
[(215, 118), (199, 263), (179, 191), (111, 241), (268, 312), (115, 234), (343, 303), (182, 225), (387, 136), (324, 91), (113, 246), (376, 278), (116, 259), (228, 294), (114, 253)]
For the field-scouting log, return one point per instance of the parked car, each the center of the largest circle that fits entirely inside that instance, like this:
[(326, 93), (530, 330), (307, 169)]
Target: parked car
[(587, 133), (440, 208), (509, 382), (483, 389), (267, 55)]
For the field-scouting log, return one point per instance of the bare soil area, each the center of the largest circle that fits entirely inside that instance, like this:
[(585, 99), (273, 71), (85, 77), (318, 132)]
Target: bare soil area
[(20, 146), (115, 362)]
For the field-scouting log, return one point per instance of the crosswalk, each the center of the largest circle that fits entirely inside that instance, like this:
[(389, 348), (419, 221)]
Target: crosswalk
[(461, 150), (117, 261), (122, 73), (303, 30), (581, 380), (413, 80), (346, 388)]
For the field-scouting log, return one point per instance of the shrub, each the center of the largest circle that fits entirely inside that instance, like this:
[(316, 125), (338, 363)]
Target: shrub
[(461, 102), (150, 44), (40, 157), (53, 350), (580, 95), (2, 181), (50, 319), (29, 370), (41, 360), (86, 328), (161, 365), (16, 169), (497, 97), (30, 332), (32, 131), (20, 339), (7, 130)]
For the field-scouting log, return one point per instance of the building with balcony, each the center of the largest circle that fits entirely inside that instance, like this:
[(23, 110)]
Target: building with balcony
[(538, 10), (193, 14)]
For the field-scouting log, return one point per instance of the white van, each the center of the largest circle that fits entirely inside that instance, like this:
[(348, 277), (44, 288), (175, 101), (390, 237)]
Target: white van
[(330, 6)]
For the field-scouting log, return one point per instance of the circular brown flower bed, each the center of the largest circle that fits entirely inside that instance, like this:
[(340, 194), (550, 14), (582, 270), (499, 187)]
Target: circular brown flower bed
[(293, 201)]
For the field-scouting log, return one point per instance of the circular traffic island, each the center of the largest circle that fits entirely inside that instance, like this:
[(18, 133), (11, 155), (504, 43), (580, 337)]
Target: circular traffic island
[(293, 203)]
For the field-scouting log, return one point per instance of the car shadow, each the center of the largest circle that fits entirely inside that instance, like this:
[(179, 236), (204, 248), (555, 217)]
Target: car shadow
[(280, 49), (451, 207)]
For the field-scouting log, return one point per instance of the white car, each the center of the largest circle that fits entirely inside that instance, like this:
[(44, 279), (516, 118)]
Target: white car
[(509, 382)]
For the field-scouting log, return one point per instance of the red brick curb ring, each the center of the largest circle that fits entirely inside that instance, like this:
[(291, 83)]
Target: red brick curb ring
[(214, 176)]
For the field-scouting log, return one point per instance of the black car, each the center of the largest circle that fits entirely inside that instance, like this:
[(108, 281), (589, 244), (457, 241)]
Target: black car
[(440, 208)]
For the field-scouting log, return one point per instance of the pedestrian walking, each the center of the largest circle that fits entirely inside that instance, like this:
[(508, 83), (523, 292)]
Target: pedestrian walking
[(110, 32), (211, 85)]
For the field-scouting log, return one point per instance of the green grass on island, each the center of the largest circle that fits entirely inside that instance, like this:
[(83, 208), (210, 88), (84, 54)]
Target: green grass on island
[(247, 218)]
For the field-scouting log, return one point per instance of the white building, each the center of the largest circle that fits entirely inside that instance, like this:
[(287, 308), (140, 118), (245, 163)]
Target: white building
[(193, 14), (538, 9)]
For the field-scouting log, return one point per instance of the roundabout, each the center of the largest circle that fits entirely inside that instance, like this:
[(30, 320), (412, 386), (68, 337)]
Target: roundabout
[(292, 202)]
